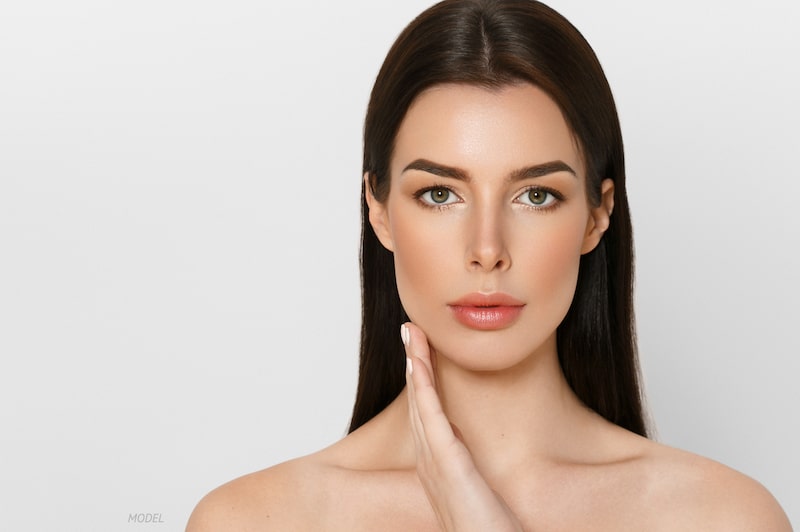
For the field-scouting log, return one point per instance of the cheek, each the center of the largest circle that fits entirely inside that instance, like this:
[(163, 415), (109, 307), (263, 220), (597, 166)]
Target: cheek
[(552, 258), (421, 257), (552, 252)]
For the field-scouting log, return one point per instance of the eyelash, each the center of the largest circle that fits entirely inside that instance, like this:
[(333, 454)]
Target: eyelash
[(559, 198), (421, 192)]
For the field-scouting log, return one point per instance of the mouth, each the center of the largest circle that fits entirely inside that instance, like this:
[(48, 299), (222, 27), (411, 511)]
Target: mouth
[(486, 312)]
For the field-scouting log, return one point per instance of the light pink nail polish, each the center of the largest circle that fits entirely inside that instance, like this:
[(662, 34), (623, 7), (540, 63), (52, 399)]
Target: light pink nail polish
[(409, 366), (404, 334)]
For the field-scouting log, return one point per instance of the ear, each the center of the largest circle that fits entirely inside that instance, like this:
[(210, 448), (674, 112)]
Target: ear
[(378, 216), (599, 217)]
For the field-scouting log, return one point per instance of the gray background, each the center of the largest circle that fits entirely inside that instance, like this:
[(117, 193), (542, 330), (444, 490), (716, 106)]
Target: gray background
[(179, 183)]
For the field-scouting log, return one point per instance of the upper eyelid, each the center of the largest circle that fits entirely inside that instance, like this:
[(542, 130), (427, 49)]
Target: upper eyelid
[(555, 193), (423, 190)]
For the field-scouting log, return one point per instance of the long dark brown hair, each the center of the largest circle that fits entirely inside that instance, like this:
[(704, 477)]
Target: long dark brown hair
[(494, 43)]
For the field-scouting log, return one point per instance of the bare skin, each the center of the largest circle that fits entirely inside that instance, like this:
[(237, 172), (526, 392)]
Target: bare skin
[(368, 481), (526, 454)]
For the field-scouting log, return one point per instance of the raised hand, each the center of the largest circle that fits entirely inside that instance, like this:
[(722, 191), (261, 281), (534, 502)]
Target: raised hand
[(461, 498)]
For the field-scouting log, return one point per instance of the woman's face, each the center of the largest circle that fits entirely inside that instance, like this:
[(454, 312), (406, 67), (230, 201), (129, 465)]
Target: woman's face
[(487, 216)]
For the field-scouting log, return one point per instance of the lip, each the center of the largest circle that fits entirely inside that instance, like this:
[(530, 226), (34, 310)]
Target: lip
[(486, 312)]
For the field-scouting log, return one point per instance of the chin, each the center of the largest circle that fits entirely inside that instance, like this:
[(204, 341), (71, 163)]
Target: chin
[(497, 350)]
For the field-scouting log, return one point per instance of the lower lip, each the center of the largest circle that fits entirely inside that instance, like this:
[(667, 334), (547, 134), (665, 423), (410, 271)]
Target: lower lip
[(486, 318)]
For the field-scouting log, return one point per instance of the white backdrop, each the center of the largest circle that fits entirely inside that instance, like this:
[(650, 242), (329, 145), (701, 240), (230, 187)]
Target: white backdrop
[(179, 181)]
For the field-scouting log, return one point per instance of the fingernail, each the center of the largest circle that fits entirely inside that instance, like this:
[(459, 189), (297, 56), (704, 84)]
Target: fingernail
[(404, 334), (409, 366)]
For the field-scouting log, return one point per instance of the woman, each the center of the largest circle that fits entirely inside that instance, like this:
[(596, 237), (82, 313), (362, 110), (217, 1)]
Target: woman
[(496, 231)]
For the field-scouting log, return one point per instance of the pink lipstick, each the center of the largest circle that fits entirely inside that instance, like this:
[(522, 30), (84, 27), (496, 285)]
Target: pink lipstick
[(486, 312)]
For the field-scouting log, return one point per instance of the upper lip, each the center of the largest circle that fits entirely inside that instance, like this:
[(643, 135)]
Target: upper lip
[(495, 299)]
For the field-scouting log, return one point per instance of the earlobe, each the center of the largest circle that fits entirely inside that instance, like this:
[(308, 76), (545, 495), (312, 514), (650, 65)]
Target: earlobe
[(378, 216), (599, 218)]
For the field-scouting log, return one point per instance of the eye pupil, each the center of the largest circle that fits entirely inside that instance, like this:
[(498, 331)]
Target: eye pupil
[(537, 197), (440, 195)]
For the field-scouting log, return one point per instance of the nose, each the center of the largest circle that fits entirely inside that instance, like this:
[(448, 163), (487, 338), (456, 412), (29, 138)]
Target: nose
[(487, 250)]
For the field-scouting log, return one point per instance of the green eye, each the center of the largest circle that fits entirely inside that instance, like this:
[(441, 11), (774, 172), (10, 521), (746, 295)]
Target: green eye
[(439, 195), (538, 197)]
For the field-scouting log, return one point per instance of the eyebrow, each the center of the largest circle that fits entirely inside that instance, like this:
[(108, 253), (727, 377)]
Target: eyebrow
[(537, 170)]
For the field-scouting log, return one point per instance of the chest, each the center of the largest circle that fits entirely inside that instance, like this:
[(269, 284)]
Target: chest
[(397, 502), (386, 501)]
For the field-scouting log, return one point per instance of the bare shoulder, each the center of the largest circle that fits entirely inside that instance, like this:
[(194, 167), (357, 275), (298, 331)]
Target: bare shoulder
[(353, 484), (710, 496), (271, 499)]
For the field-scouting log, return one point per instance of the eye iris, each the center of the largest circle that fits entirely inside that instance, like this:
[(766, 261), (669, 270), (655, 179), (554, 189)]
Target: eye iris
[(440, 195), (537, 197)]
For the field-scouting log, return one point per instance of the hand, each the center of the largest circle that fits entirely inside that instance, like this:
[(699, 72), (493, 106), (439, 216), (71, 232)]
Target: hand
[(461, 498)]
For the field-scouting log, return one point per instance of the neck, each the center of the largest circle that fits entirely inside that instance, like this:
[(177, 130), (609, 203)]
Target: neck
[(508, 417)]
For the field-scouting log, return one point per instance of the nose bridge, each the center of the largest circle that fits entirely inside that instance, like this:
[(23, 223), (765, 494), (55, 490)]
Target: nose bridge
[(487, 240)]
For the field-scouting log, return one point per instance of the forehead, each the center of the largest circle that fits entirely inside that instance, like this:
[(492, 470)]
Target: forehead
[(485, 131)]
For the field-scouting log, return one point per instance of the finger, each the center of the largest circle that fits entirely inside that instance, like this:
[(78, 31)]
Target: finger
[(427, 415), (435, 427), (417, 346), (417, 431), (420, 375)]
